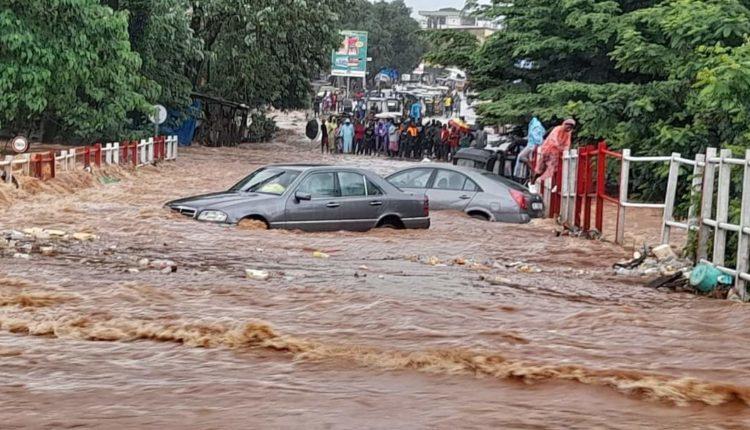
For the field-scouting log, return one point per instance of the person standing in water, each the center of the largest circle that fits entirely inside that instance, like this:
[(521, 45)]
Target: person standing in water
[(323, 136), (347, 136)]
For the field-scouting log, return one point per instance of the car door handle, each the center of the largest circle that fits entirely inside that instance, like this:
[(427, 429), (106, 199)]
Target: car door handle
[(376, 203), (465, 197), (332, 205)]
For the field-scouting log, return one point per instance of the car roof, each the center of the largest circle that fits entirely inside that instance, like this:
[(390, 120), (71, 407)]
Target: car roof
[(475, 154), (482, 177), (334, 167), (299, 166)]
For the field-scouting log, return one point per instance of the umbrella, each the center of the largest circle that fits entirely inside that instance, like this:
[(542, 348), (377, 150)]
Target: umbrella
[(311, 130), (460, 124)]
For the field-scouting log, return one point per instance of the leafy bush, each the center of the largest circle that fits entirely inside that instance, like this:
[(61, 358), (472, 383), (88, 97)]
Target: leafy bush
[(262, 128)]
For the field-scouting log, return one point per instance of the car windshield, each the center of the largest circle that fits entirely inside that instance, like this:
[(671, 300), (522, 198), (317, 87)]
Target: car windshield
[(271, 180), (505, 181)]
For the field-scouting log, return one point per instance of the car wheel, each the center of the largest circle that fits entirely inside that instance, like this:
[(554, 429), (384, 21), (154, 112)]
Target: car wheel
[(392, 223), (388, 225), (253, 224), (479, 216)]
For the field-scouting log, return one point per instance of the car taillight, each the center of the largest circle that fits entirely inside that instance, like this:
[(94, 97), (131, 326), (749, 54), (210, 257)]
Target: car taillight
[(520, 199), (426, 206)]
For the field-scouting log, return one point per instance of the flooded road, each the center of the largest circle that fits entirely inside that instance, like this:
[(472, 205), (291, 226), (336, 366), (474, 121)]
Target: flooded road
[(465, 325)]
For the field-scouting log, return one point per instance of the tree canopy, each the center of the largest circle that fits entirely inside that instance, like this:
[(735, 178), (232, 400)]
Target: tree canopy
[(655, 76), (93, 68), (394, 38), (69, 63), (450, 47)]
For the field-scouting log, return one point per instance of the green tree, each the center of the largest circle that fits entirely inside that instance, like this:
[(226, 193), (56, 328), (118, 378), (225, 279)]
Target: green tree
[(260, 53), (653, 76), (161, 35), (69, 63), (451, 48), (394, 38)]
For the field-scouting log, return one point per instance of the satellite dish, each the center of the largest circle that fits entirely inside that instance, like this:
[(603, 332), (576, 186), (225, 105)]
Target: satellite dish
[(19, 144), (159, 116)]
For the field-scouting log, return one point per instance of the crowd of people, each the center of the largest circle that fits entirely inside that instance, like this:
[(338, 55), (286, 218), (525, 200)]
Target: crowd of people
[(333, 102), (359, 131), (413, 138), (352, 127)]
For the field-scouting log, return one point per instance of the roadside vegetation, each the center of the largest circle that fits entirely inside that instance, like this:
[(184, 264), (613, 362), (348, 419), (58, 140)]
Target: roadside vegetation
[(90, 69), (653, 76)]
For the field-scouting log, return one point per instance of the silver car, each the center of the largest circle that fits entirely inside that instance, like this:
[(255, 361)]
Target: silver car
[(312, 198), (480, 194)]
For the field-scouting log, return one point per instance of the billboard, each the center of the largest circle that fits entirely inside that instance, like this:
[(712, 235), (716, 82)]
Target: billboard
[(351, 57)]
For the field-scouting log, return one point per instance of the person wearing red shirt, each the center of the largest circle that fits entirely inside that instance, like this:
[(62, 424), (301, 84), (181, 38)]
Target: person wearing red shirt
[(359, 138)]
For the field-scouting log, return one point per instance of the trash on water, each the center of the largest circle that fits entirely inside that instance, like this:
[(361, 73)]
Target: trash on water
[(663, 252), (320, 254), (528, 269), (36, 233), (84, 237), (260, 275), (163, 264), (14, 235), (143, 262), (705, 278), (22, 256), (47, 250)]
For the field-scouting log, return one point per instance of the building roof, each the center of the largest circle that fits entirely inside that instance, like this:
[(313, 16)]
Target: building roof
[(449, 11)]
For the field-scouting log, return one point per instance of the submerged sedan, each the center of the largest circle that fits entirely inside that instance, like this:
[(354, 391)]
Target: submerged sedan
[(312, 198), (480, 194)]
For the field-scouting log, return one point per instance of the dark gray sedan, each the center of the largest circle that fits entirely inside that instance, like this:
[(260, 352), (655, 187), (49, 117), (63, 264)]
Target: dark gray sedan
[(479, 193), (312, 198)]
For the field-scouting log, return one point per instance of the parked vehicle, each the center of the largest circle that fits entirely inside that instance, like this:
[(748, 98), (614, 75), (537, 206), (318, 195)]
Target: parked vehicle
[(499, 159), (311, 198), (480, 194)]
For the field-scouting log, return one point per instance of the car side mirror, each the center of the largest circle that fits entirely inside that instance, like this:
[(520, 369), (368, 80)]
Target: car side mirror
[(302, 196)]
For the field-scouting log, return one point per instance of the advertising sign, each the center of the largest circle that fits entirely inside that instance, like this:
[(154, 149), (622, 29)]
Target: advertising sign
[(351, 57)]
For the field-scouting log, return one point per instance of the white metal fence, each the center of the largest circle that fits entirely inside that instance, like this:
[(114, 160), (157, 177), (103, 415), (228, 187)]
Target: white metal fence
[(709, 219), (136, 153)]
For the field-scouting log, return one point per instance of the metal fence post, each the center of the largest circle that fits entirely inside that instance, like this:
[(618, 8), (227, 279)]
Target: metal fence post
[(707, 202), (8, 169), (601, 165), (150, 152), (116, 153), (564, 187), (72, 159), (674, 175), (624, 179), (743, 242), (722, 207), (695, 189), (572, 180)]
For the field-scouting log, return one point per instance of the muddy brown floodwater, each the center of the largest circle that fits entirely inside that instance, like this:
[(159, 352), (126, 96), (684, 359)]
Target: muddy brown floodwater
[(397, 329)]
